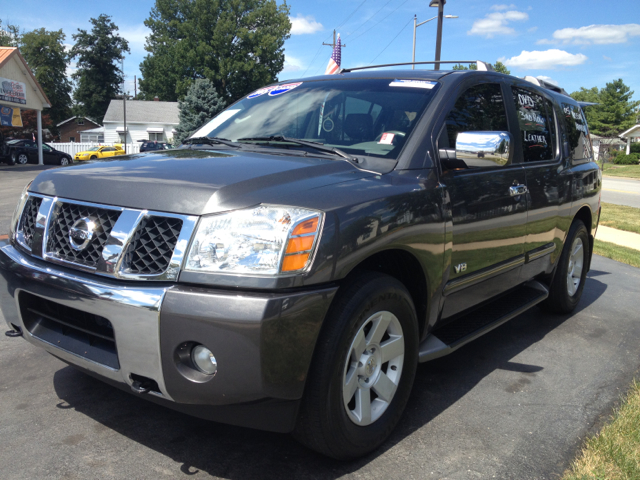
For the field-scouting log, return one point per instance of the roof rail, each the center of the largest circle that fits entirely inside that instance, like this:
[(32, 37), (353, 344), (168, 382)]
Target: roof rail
[(482, 66), (544, 84)]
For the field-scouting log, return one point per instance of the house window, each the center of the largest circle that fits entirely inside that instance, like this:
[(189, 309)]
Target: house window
[(123, 137), (72, 139), (158, 137), (80, 121)]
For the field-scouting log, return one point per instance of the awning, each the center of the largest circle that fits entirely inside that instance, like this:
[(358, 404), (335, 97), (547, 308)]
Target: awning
[(155, 130), (121, 129), (174, 131)]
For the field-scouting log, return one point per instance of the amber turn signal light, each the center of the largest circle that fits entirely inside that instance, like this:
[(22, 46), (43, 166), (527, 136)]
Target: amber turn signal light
[(299, 245)]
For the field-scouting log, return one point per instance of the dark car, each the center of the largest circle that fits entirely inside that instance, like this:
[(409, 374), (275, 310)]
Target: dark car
[(152, 145), (289, 266), (26, 151)]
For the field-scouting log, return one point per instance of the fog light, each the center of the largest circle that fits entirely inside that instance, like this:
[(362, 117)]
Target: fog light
[(204, 360)]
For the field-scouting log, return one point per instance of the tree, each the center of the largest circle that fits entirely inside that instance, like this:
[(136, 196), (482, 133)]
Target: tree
[(99, 75), (9, 35), (498, 67), (45, 53), (29, 127), (236, 44), (615, 112), (200, 105)]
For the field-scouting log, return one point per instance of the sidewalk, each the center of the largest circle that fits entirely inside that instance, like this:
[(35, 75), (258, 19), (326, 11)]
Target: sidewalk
[(619, 237)]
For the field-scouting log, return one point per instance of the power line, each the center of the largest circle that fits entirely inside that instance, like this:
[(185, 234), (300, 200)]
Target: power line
[(375, 24), (352, 13), (405, 26), (368, 19)]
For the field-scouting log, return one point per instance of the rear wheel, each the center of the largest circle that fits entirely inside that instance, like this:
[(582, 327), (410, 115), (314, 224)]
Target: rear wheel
[(20, 158), (568, 283), (363, 369)]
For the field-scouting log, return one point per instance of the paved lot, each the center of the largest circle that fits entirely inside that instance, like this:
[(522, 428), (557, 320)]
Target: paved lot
[(622, 191)]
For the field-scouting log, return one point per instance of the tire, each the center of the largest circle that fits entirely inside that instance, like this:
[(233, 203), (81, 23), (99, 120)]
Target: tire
[(93, 157), (20, 158), (373, 314), (568, 283), (65, 161)]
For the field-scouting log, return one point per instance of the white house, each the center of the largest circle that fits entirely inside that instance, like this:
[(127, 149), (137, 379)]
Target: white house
[(146, 120), (632, 135)]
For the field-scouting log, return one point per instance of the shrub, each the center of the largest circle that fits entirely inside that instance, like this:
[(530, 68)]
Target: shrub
[(624, 159), (635, 147)]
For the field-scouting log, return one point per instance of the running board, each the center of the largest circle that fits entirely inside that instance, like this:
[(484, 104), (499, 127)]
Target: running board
[(450, 337)]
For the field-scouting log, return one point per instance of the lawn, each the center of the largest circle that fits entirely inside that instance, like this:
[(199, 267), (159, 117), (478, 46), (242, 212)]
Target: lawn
[(614, 453), (620, 217), (630, 171), (617, 253)]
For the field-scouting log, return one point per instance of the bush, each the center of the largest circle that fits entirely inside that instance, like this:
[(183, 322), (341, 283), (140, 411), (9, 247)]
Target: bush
[(624, 159), (635, 147)]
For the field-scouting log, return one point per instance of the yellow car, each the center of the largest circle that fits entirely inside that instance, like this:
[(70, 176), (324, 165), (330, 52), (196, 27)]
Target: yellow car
[(99, 152)]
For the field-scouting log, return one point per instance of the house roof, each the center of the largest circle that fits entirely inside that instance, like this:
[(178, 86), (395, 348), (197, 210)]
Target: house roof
[(630, 131), (140, 111), (6, 53), (93, 130), (72, 118)]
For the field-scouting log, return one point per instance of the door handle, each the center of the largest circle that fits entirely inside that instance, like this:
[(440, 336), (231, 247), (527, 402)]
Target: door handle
[(518, 190)]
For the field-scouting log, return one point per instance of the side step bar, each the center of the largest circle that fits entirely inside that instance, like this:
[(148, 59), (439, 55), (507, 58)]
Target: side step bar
[(450, 337)]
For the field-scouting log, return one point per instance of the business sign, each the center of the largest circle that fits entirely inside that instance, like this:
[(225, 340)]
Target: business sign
[(12, 91), (10, 117)]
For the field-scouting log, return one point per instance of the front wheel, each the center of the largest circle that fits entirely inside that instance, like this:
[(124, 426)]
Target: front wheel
[(93, 157), (568, 283), (65, 161), (363, 369), (20, 158)]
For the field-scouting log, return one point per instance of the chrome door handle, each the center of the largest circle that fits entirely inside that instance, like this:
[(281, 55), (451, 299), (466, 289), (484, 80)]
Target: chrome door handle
[(518, 190)]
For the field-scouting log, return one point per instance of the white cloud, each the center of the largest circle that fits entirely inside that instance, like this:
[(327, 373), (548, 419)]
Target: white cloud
[(136, 36), (548, 59), (608, 59), (499, 8), (497, 23), (595, 34), (532, 29), (292, 64), (301, 25)]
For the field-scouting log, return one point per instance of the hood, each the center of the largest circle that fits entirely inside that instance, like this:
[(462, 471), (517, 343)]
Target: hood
[(193, 182)]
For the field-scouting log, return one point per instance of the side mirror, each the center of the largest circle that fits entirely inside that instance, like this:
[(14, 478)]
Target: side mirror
[(483, 149)]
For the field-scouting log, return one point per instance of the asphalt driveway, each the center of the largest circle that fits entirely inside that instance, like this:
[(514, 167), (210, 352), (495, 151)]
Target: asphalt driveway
[(514, 404)]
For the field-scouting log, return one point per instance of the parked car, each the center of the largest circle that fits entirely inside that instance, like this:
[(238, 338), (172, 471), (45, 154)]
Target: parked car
[(26, 151), (100, 152), (152, 145), (289, 271)]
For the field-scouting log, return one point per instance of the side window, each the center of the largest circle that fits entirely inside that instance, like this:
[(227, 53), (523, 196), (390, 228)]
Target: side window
[(577, 132), (536, 126)]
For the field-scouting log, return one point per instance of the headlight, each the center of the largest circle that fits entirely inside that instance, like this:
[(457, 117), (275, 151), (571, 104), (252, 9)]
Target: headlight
[(266, 240), (13, 226)]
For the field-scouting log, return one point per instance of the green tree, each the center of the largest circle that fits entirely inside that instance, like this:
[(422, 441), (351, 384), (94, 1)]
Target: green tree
[(9, 35), (498, 67), (615, 112), (99, 75), (45, 53), (200, 104), (236, 44)]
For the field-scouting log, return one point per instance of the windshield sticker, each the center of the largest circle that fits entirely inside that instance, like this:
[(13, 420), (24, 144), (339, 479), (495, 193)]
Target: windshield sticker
[(259, 92), (280, 89), (413, 84), (215, 123), (386, 139)]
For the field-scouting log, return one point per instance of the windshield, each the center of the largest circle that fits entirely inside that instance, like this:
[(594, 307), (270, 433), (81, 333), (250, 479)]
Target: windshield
[(361, 117), (94, 149)]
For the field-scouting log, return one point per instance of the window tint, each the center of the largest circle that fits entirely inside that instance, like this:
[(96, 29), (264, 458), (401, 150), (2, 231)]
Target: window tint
[(577, 132), (535, 126), (480, 108), (46, 148)]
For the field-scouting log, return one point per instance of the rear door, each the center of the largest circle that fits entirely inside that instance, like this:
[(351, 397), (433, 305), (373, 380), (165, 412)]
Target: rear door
[(487, 223)]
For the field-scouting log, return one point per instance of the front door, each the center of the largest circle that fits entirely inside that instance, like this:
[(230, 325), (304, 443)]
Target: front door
[(488, 223)]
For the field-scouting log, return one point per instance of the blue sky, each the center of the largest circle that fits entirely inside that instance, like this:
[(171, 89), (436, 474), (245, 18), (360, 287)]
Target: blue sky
[(575, 43)]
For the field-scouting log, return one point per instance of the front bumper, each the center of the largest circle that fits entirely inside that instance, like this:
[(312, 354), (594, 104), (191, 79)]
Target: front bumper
[(263, 342)]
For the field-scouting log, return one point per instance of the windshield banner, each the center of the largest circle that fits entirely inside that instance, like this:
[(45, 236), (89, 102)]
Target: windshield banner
[(10, 117), (11, 91)]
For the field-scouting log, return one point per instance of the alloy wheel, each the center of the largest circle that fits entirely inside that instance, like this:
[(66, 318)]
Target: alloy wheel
[(22, 159), (576, 264)]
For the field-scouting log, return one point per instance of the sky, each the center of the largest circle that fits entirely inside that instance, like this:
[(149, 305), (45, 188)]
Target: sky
[(575, 43)]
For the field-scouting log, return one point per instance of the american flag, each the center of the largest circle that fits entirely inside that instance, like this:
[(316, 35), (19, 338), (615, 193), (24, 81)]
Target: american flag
[(334, 61)]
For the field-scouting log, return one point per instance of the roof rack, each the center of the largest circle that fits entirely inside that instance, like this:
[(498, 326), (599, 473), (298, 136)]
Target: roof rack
[(482, 66), (544, 84)]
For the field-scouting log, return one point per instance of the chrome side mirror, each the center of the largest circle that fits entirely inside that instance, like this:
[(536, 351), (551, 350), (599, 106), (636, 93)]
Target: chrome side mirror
[(483, 149)]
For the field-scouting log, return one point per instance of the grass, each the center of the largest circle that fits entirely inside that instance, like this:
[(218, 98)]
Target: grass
[(630, 171), (617, 253), (620, 217), (614, 453)]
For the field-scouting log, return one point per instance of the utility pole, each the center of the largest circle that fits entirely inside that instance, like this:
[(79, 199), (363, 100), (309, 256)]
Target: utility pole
[(332, 45), (135, 88), (440, 5)]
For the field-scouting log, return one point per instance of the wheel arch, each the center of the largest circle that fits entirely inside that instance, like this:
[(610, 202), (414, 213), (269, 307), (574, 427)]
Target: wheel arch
[(585, 214)]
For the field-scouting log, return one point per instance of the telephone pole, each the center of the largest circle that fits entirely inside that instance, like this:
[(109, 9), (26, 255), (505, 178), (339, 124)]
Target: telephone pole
[(332, 45)]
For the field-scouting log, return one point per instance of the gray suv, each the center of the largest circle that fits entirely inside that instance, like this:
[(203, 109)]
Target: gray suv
[(291, 264)]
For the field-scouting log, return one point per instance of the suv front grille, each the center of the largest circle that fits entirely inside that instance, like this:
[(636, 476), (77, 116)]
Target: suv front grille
[(59, 244), (28, 221), (82, 333), (152, 246)]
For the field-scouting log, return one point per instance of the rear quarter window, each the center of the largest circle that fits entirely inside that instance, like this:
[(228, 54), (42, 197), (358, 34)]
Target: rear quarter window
[(577, 132)]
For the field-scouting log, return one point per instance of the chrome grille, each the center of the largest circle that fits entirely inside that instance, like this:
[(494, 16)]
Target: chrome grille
[(152, 246), (28, 220), (59, 244)]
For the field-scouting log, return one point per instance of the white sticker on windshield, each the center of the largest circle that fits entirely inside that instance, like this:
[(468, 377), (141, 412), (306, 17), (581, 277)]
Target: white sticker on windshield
[(413, 84), (215, 123), (280, 89), (386, 139)]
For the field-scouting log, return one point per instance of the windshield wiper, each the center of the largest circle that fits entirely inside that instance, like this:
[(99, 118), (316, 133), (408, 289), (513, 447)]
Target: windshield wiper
[(305, 143), (210, 141)]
